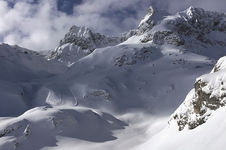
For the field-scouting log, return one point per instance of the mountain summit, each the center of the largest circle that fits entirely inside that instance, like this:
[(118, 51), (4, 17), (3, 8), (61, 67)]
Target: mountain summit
[(79, 42), (193, 27)]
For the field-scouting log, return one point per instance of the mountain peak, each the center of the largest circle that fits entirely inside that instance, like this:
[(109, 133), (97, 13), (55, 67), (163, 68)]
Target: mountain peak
[(195, 12), (79, 42), (76, 32), (82, 31), (192, 27), (153, 16), (191, 10)]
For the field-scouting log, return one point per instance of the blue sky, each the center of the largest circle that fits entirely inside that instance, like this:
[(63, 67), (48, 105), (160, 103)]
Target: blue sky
[(40, 24), (67, 5)]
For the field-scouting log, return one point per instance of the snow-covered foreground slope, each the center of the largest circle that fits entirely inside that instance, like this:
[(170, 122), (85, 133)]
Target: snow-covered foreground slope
[(94, 92), (203, 111), (41, 126), (207, 96), (211, 135)]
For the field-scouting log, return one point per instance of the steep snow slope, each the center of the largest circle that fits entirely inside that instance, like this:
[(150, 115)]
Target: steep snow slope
[(150, 73), (207, 96), (209, 136), (203, 111), (20, 72)]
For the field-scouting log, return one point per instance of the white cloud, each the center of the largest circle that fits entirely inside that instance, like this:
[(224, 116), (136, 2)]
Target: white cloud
[(40, 26), (111, 15), (32, 26)]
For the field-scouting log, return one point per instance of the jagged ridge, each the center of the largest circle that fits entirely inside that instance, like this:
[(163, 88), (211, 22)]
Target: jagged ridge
[(79, 42)]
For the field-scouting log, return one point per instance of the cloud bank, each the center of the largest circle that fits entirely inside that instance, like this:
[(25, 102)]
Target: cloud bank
[(40, 24), (34, 26)]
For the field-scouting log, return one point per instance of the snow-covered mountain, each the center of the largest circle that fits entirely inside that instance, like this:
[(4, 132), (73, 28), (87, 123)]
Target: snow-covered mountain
[(79, 42), (96, 92), (195, 29)]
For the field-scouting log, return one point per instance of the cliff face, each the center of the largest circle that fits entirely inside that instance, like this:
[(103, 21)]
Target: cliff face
[(209, 94)]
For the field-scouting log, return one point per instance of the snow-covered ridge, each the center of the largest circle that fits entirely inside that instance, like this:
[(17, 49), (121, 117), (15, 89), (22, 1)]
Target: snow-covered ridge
[(209, 94), (87, 39), (192, 27), (28, 59), (220, 65), (153, 17), (79, 42)]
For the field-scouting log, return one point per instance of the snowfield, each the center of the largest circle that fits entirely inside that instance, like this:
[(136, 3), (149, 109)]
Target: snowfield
[(99, 92), (207, 136)]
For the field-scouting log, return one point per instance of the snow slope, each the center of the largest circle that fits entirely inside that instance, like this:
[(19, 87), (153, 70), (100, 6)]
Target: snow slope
[(20, 72), (132, 75), (203, 111), (207, 96), (41, 126), (208, 136)]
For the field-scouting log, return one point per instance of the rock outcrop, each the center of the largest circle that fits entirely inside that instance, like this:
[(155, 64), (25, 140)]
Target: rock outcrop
[(209, 94), (194, 26)]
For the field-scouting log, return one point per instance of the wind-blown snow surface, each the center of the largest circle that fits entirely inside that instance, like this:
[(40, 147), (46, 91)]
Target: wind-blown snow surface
[(114, 97), (208, 136), (209, 119)]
